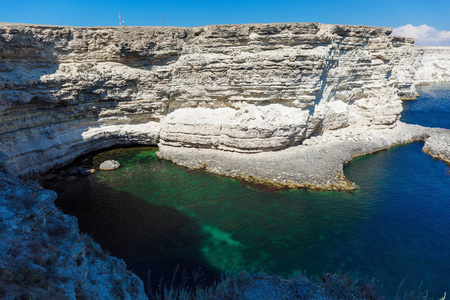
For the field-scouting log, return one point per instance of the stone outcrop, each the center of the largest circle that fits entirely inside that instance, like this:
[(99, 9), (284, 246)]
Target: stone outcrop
[(67, 91), (248, 88), (432, 64), (251, 88), (43, 255), (216, 97), (108, 165), (318, 164), (248, 128), (438, 146), (238, 88)]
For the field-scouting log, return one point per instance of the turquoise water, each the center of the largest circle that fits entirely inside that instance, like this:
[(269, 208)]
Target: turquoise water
[(156, 215)]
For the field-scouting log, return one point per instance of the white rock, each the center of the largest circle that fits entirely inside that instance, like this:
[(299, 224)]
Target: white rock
[(245, 88), (250, 128), (108, 165), (432, 64), (335, 115)]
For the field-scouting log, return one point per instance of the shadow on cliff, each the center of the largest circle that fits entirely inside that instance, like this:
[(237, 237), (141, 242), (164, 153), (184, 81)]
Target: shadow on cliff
[(54, 87), (146, 236)]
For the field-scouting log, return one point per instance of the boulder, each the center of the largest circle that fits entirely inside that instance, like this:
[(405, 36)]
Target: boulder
[(108, 165)]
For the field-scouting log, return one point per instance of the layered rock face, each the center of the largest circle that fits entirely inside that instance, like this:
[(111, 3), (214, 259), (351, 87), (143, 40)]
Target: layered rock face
[(321, 77), (67, 91), (247, 88), (432, 64), (218, 97)]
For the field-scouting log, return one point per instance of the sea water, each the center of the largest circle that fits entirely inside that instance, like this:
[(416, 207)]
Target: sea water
[(395, 227)]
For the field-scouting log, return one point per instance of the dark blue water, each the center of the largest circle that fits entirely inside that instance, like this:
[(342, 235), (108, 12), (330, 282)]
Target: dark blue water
[(408, 229), (432, 108), (395, 226)]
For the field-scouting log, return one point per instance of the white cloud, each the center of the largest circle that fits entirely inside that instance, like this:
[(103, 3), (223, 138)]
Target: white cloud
[(425, 35)]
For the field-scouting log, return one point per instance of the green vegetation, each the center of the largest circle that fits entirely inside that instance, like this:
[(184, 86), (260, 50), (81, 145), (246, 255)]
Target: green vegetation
[(259, 285)]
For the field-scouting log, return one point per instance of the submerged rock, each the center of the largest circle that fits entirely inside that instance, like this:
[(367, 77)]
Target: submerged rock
[(85, 171), (71, 178), (108, 165)]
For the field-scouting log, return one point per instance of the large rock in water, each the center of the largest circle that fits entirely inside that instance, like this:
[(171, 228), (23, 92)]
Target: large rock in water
[(438, 146), (108, 165)]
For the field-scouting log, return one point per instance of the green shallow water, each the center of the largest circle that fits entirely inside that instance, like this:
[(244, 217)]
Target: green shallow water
[(242, 227), (156, 215)]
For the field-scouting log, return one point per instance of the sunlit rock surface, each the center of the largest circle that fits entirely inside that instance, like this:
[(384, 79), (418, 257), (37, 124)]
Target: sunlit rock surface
[(248, 128), (248, 88), (109, 165), (432, 64), (318, 163), (438, 146), (281, 104)]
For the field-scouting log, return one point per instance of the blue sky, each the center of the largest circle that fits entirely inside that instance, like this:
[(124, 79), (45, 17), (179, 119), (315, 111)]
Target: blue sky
[(392, 13)]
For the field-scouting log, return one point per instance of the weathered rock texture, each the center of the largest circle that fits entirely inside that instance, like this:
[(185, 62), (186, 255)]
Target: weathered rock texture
[(247, 88), (220, 97), (318, 164), (438, 146), (432, 64), (43, 255), (109, 165)]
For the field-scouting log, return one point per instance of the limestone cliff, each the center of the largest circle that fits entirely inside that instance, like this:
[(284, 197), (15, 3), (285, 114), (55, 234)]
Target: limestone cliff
[(219, 97), (66, 91), (252, 88), (432, 64)]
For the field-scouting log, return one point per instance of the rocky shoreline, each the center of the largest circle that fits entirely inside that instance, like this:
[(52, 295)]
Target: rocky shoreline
[(317, 164), (67, 91), (43, 254), (279, 104)]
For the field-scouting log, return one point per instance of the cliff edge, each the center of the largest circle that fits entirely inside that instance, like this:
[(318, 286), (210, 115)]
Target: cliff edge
[(281, 104), (254, 88)]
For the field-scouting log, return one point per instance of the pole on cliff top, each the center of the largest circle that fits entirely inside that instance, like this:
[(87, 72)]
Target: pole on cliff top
[(120, 21), (162, 19)]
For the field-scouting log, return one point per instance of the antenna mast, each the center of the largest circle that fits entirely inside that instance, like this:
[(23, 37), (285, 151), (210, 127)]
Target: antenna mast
[(162, 19), (120, 21)]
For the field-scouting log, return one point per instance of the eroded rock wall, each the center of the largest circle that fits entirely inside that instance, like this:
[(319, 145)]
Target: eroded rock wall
[(66, 91), (325, 76), (432, 64)]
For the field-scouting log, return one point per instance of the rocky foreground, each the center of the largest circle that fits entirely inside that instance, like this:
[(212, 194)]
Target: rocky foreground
[(280, 104), (44, 256)]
